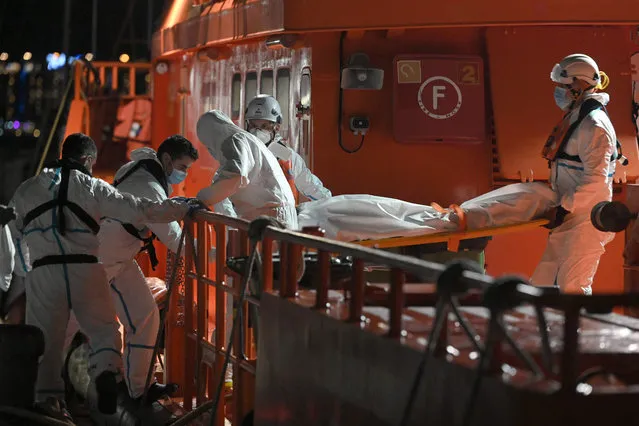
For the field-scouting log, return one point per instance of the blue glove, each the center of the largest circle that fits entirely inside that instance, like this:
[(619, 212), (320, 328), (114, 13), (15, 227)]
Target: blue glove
[(181, 199), (196, 205), (556, 217)]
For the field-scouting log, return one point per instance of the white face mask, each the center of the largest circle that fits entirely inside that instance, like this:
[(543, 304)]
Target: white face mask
[(263, 135), (563, 99)]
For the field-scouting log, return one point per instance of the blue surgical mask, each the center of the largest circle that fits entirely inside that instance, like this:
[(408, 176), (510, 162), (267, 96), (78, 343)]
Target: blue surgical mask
[(563, 98), (176, 176)]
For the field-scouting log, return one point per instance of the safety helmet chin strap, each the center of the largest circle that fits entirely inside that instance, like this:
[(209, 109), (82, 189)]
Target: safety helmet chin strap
[(579, 94)]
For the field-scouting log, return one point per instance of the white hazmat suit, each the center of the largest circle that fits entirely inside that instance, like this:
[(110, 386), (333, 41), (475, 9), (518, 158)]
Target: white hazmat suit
[(265, 108), (134, 303), (65, 274), (575, 247), (263, 189), (305, 181), (7, 255)]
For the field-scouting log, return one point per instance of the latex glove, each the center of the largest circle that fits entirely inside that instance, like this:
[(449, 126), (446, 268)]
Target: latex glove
[(195, 206), (181, 199), (556, 217)]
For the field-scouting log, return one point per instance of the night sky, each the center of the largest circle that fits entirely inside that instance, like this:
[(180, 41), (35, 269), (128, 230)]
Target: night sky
[(36, 26)]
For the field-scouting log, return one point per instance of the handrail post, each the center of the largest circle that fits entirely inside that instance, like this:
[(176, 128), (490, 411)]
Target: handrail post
[(132, 81), (357, 292), (202, 308), (220, 316), (292, 268), (114, 78), (324, 265), (190, 344), (284, 255), (398, 279), (267, 264)]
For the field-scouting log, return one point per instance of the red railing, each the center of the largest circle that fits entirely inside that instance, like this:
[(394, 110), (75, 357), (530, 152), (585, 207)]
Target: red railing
[(204, 359)]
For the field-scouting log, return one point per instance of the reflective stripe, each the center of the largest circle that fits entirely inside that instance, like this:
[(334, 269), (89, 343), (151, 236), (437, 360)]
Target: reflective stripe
[(126, 309), (569, 166), (21, 255), (578, 168), (55, 179)]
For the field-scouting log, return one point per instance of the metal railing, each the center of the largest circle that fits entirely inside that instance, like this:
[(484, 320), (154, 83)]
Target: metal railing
[(96, 80), (203, 360), (201, 373)]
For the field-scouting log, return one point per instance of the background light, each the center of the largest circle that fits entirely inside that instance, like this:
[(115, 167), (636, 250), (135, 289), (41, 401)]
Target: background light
[(124, 58), (4, 56), (27, 56), (56, 60), (88, 56)]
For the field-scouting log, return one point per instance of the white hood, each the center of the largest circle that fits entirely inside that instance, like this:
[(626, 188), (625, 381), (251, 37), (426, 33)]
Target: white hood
[(213, 128), (602, 97), (137, 155), (144, 154)]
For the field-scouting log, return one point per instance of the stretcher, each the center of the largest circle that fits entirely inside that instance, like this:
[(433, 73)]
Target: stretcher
[(431, 232), (450, 245), (451, 238)]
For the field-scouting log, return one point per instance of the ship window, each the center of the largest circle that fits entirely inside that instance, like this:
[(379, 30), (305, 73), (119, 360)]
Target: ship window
[(282, 93), (305, 88), (266, 82), (236, 89), (250, 87)]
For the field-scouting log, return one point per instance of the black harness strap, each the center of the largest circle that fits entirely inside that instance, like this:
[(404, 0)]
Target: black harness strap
[(156, 170), (586, 108), (151, 166), (64, 259), (61, 200), (148, 243)]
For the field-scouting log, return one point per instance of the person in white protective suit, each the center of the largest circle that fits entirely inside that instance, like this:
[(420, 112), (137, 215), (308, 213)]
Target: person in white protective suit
[(249, 182), (249, 175), (263, 120), (7, 252), (150, 175), (12, 292), (57, 215), (582, 153)]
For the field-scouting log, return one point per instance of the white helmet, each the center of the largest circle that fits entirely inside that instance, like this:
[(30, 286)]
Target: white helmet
[(576, 67), (264, 107)]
